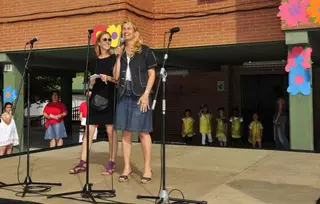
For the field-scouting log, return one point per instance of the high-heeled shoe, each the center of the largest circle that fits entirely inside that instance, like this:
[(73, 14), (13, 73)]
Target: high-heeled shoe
[(81, 167), (111, 166)]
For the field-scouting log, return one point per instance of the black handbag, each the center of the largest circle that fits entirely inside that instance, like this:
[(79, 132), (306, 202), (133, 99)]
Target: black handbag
[(99, 103)]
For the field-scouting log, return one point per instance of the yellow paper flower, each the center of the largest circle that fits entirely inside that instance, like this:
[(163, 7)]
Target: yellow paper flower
[(314, 11), (115, 31)]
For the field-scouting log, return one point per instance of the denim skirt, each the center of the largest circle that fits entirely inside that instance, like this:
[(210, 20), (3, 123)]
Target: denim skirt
[(55, 131), (128, 114)]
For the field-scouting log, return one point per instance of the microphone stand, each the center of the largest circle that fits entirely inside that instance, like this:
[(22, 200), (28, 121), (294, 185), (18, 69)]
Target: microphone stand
[(164, 195), (87, 191), (27, 188)]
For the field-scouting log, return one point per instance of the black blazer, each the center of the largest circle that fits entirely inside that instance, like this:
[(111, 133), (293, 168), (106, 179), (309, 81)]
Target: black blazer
[(139, 64)]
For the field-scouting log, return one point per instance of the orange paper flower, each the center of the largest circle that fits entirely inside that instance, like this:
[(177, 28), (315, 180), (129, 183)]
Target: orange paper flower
[(314, 11)]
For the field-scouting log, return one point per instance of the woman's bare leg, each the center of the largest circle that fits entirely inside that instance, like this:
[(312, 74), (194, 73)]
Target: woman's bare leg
[(146, 144)]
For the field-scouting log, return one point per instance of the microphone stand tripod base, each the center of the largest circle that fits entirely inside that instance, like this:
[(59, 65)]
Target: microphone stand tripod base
[(31, 187), (87, 192), (28, 185)]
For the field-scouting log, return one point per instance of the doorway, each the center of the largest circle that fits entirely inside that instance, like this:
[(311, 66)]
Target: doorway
[(258, 95)]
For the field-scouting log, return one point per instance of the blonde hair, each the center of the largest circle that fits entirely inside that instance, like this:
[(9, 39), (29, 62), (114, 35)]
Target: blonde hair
[(137, 41), (97, 48)]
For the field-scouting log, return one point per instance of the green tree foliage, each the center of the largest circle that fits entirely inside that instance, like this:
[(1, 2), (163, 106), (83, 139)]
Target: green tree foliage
[(41, 88)]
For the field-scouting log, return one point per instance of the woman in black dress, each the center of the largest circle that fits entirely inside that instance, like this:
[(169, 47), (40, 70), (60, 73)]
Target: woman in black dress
[(103, 87)]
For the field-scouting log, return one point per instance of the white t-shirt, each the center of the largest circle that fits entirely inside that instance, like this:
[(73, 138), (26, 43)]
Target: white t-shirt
[(128, 73)]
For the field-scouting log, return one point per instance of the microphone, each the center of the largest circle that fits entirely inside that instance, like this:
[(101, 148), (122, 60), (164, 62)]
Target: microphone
[(121, 41), (174, 30), (35, 39)]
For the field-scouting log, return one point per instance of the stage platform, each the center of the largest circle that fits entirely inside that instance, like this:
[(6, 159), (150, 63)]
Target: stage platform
[(216, 175)]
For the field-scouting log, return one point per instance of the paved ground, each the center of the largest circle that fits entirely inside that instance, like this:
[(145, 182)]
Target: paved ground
[(217, 175)]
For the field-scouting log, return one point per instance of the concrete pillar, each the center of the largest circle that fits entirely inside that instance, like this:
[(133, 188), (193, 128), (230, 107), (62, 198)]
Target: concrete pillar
[(301, 106), (13, 78)]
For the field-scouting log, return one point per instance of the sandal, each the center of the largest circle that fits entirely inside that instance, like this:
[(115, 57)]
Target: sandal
[(109, 168), (79, 168), (146, 180), (124, 178)]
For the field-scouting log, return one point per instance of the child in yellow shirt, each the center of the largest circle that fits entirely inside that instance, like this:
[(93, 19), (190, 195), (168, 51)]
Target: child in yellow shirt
[(187, 127), (255, 134), (236, 121), (221, 132), (205, 124)]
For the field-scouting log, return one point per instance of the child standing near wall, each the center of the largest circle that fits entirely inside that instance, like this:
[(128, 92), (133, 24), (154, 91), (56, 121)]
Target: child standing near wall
[(205, 124), (221, 131), (236, 121), (187, 130), (83, 119), (255, 131)]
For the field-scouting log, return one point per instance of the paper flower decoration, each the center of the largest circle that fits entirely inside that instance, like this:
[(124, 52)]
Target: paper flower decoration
[(314, 11), (115, 31), (299, 55), (96, 32), (299, 81), (294, 12), (9, 94), (299, 63)]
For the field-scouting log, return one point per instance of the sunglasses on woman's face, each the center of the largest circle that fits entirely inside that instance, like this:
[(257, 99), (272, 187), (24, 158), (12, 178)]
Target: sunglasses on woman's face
[(106, 39)]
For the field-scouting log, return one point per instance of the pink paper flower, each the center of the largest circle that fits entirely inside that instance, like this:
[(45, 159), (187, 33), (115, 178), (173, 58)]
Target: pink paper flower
[(295, 52), (299, 56), (294, 12), (306, 64)]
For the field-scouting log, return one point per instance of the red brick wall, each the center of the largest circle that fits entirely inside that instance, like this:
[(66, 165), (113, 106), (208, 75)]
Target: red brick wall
[(237, 27), (57, 28), (64, 28), (67, 28)]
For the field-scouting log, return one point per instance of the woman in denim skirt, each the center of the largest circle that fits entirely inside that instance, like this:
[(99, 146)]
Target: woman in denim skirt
[(135, 72)]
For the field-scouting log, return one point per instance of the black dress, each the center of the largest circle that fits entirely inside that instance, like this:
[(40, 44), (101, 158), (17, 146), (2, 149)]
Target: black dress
[(105, 117)]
